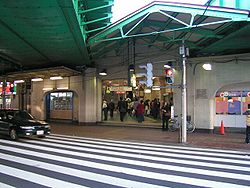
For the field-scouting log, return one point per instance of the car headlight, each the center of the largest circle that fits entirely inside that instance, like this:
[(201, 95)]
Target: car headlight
[(47, 127), (26, 127)]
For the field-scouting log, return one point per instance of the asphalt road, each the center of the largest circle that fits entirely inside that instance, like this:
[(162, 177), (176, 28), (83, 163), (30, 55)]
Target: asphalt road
[(70, 161)]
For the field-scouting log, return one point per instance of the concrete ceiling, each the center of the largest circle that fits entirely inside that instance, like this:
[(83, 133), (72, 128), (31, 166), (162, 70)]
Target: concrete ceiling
[(74, 33), (48, 33)]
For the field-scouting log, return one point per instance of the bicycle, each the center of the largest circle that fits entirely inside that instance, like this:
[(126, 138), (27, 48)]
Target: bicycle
[(174, 124)]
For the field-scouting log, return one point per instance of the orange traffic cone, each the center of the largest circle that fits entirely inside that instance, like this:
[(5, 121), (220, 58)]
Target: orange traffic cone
[(222, 128)]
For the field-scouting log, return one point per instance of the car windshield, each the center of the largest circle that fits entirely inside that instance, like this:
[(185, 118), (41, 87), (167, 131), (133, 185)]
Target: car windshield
[(24, 115)]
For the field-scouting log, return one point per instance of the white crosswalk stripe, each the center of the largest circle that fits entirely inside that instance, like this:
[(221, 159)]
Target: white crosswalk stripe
[(2, 185), (59, 161)]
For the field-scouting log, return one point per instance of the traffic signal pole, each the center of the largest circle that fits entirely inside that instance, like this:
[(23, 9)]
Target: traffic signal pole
[(183, 132)]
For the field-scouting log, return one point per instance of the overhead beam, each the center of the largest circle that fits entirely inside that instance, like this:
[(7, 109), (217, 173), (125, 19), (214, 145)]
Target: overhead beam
[(200, 31), (227, 14), (74, 27), (226, 38), (97, 20), (110, 4)]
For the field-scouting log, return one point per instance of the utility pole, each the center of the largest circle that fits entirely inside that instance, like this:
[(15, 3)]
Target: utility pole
[(4, 93), (184, 52)]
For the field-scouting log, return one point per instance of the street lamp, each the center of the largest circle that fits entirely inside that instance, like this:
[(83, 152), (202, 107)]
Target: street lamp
[(103, 72), (207, 66)]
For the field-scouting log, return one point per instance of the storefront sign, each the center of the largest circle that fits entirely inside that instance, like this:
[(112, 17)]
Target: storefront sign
[(245, 94), (120, 88), (228, 94)]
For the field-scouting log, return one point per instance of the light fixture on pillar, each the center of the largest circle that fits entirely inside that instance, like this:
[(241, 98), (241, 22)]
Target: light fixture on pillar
[(56, 78), (18, 81), (207, 66), (36, 79), (103, 72), (168, 65), (131, 68)]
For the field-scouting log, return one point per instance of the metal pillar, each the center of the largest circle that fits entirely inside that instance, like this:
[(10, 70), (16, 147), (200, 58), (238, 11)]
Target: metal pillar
[(183, 135), (3, 93)]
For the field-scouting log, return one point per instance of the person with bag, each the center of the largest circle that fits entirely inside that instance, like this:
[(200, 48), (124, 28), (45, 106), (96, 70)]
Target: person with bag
[(165, 110), (122, 107), (247, 140)]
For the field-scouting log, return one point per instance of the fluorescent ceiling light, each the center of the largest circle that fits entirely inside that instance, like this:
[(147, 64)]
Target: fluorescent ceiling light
[(103, 72), (131, 68), (18, 81), (62, 88), (207, 66), (56, 78), (36, 79), (47, 88), (147, 90), (156, 88)]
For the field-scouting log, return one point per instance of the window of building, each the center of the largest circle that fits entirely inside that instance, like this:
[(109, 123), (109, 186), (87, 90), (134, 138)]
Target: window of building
[(232, 102), (61, 101)]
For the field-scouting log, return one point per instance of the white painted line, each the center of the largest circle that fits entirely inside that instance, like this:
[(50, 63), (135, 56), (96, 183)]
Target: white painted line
[(126, 161), (151, 145), (40, 179), (193, 157), (78, 173), (2, 185), (95, 144)]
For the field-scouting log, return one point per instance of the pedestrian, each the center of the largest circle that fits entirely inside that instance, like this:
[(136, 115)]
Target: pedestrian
[(122, 107), (158, 107), (165, 110), (136, 102), (111, 107), (140, 112), (146, 106), (154, 108), (105, 110), (248, 124), (128, 101)]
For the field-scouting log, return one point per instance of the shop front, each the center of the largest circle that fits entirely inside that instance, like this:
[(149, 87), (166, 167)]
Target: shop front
[(231, 107), (113, 90), (8, 95), (61, 105)]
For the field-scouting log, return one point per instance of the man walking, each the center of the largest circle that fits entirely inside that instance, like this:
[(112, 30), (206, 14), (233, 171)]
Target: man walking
[(165, 110), (111, 107), (122, 107)]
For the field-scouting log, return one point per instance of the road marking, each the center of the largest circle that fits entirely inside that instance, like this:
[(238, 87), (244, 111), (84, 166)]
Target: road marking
[(40, 179)]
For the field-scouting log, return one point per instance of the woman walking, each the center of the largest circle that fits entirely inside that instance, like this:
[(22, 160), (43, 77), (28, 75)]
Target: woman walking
[(140, 112)]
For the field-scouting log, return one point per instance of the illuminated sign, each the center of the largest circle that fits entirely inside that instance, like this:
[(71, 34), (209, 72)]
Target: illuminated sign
[(10, 88), (120, 88)]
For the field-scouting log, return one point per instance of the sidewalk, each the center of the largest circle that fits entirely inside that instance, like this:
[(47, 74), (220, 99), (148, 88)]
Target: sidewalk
[(141, 133)]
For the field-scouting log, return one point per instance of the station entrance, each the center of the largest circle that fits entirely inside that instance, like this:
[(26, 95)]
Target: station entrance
[(153, 99)]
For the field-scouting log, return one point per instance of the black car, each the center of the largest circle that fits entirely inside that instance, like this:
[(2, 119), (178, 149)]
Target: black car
[(19, 123)]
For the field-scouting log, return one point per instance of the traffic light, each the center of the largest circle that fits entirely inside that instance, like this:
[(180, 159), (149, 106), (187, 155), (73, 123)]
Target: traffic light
[(169, 75), (149, 74)]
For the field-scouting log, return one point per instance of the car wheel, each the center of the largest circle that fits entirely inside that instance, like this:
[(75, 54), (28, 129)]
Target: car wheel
[(13, 134)]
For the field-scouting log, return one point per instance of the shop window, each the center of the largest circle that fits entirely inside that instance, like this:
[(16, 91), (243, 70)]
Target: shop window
[(228, 103), (245, 101), (61, 101)]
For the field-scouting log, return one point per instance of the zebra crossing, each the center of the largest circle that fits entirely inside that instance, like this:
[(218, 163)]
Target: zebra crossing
[(68, 161)]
